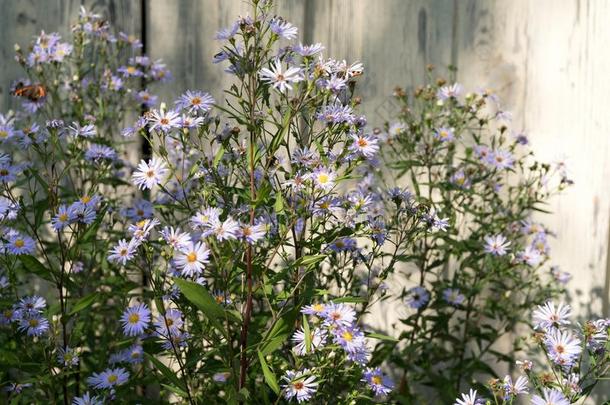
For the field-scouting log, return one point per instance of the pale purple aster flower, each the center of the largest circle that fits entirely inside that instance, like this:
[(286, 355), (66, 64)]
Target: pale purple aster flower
[(531, 256), (83, 214), (170, 323), (19, 244), (301, 385), (67, 357), (281, 79), (338, 314), (547, 316), (86, 131), (336, 114), (179, 339), (221, 377), (377, 381), (572, 383), (460, 179), (317, 338), (87, 399), (563, 348), (227, 33), (150, 174), (468, 399), (496, 245), (252, 233), (98, 152), (550, 397), (444, 134), (453, 296), (514, 388), (8, 209), (16, 388), (175, 238), (130, 71), (141, 230), (191, 260), (450, 91), (164, 121), (205, 217), (323, 178), (283, 28), (314, 309), (135, 319), (8, 172), (417, 297), (562, 277), (123, 252), (195, 102), (145, 98), (524, 365), (366, 145), (33, 304), (224, 230), (501, 159), (108, 378), (350, 338), (308, 50), (34, 325)]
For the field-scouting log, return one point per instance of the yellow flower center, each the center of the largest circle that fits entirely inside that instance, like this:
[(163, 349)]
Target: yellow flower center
[(298, 385), (131, 69), (376, 380), (134, 318), (63, 217), (318, 307), (347, 336), (112, 378), (33, 322), (323, 178), (85, 199), (191, 257), (3, 134), (196, 101), (19, 243)]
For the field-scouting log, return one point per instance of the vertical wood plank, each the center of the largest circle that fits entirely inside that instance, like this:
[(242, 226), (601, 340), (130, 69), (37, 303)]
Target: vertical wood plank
[(547, 63)]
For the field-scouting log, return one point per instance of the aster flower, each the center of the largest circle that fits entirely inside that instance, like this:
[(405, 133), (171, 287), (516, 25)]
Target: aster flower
[(31, 305), (453, 296), (175, 238), (8, 209), (308, 50), (501, 159), (150, 174), (550, 397), (531, 256), (164, 121), (224, 230), (547, 316), (283, 29), (444, 134), (450, 91), (135, 319), (252, 233), (468, 399), (323, 178), (83, 213), (281, 79), (87, 399), (195, 102), (350, 338), (377, 381), (170, 323), (99, 153), (19, 244), (562, 347), (314, 309), (67, 357), (205, 217), (34, 325), (63, 218), (317, 338), (191, 259), (227, 33), (123, 252), (517, 387), (366, 145), (108, 378), (301, 385), (496, 245), (86, 131), (417, 297), (338, 314), (141, 230)]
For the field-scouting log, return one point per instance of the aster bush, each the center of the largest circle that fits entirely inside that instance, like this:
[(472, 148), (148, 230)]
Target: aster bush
[(472, 285)]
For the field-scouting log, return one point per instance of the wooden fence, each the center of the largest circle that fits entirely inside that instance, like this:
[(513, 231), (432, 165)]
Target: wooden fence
[(547, 59)]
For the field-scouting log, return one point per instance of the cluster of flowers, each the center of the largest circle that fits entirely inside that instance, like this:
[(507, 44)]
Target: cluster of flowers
[(28, 315), (578, 359), (334, 323)]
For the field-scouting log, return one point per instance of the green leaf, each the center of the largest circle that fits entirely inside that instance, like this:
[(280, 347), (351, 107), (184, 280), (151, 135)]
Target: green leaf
[(353, 300), (203, 300), (268, 374), (309, 260), (307, 332), (381, 337), (218, 156), (93, 228), (84, 302), (166, 371), (279, 203), (32, 264), (175, 390), (279, 333)]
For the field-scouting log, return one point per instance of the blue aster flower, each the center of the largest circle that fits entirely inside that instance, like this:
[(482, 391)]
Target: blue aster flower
[(135, 319)]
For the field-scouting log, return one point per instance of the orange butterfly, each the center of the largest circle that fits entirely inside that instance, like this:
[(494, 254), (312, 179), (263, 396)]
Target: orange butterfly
[(32, 92)]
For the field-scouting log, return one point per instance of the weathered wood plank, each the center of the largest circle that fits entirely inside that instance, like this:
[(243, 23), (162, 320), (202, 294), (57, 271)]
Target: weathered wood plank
[(548, 62)]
